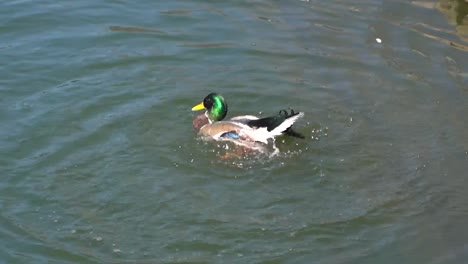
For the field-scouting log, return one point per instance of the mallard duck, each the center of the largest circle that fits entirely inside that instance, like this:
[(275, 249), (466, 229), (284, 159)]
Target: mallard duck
[(241, 129)]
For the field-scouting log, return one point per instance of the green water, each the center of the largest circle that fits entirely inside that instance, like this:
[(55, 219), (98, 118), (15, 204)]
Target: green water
[(100, 163)]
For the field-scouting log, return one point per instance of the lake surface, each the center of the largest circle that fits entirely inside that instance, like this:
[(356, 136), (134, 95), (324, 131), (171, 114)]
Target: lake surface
[(100, 163)]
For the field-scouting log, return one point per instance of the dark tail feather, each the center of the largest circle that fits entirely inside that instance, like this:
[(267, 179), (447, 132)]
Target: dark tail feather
[(273, 121), (293, 133)]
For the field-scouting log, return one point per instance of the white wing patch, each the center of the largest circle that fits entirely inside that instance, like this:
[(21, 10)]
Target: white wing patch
[(286, 124), (261, 134), (244, 118)]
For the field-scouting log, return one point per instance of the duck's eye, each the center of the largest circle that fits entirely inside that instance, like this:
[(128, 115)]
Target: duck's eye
[(208, 103)]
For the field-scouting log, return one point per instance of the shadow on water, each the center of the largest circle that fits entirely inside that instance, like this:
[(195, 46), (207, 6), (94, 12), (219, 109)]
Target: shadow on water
[(135, 30)]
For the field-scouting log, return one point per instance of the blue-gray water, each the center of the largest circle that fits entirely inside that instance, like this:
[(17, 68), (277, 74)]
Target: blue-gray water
[(100, 164)]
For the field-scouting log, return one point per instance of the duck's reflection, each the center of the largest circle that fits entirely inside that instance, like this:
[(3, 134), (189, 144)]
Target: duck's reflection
[(455, 10)]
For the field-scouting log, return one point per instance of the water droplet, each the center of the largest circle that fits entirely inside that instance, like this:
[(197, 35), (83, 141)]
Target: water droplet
[(73, 231), (116, 250), (98, 238)]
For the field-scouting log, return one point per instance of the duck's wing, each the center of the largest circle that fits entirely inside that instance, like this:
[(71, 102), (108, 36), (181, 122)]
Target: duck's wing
[(223, 130), (278, 124)]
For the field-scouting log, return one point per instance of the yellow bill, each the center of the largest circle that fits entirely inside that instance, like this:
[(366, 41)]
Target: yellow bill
[(199, 107)]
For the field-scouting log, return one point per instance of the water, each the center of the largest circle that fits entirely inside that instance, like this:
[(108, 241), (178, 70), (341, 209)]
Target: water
[(100, 163)]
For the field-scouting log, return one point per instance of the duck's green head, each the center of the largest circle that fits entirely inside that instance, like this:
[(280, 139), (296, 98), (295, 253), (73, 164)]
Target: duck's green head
[(215, 106)]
